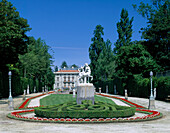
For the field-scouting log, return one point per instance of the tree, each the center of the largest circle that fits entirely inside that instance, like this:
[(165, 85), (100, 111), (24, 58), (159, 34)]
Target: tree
[(134, 59), (74, 66), (106, 63), (124, 29), (64, 65), (156, 34), (96, 48), (13, 36), (37, 60), (56, 68)]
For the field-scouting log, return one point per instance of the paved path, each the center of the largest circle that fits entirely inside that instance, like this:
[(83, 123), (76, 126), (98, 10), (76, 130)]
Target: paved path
[(36, 101), (156, 126)]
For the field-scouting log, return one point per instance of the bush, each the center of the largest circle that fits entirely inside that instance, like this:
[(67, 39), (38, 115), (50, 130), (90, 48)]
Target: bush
[(86, 110)]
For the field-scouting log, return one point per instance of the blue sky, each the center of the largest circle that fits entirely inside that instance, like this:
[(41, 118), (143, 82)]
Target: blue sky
[(67, 25)]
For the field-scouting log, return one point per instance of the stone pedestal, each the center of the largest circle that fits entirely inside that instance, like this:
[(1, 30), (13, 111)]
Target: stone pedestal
[(126, 95), (151, 103), (74, 92), (24, 94), (107, 90), (10, 103), (100, 90), (85, 91), (28, 89)]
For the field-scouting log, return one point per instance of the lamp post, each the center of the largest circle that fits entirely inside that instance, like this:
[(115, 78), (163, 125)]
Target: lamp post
[(10, 100), (151, 99)]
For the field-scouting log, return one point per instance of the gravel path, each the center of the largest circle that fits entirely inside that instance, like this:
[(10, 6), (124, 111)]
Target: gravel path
[(36, 101), (157, 126)]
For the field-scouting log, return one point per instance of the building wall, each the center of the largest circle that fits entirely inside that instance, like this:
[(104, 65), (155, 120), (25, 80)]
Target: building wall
[(64, 80)]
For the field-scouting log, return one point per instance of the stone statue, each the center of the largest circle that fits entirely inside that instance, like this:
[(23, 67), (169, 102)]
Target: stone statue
[(85, 74), (85, 89)]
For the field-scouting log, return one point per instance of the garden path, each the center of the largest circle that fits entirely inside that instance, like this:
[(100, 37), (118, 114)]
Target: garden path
[(157, 126)]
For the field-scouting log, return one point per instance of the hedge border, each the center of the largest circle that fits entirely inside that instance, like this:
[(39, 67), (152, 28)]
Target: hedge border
[(25, 103), (152, 115), (123, 112)]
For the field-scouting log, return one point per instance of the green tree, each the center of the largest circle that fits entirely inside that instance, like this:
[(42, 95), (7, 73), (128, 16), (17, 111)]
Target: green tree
[(13, 36), (64, 65), (124, 29), (37, 60), (134, 59), (156, 34), (96, 48), (106, 63), (56, 68), (74, 66)]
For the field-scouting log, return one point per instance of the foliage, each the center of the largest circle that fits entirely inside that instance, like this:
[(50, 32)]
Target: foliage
[(63, 98), (64, 65), (74, 66), (101, 56), (56, 68), (124, 29), (85, 110), (95, 49), (36, 62), (134, 59), (13, 36), (156, 34), (106, 64)]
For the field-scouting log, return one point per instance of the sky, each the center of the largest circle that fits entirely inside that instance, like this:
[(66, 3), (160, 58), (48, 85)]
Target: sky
[(67, 25)]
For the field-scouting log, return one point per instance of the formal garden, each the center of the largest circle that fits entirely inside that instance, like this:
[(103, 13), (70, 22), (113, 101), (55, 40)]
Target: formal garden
[(62, 108), (125, 67)]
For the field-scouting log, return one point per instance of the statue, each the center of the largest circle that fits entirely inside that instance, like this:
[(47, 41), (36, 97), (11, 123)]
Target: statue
[(85, 89), (85, 74)]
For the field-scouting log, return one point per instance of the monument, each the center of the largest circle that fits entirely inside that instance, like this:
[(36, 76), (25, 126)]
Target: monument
[(85, 89)]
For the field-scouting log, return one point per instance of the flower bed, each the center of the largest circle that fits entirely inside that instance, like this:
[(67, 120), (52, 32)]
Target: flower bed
[(150, 116), (123, 100), (85, 110), (26, 102)]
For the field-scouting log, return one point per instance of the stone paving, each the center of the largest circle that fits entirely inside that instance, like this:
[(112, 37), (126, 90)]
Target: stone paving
[(157, 126)]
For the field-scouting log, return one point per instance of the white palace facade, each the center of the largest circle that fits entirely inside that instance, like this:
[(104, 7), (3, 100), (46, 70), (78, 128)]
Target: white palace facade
[(66, 79)]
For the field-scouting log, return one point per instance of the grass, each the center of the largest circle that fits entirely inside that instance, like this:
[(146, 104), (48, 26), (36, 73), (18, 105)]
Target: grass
[(54, 99)]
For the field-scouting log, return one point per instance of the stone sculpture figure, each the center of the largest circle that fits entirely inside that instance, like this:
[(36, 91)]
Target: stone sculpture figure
[(85, 89), (85, 74)]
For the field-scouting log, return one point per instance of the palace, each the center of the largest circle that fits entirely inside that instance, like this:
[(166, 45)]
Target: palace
[(66, 79)]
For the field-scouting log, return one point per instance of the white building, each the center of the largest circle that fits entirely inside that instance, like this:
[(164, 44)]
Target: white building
[(64, 79)]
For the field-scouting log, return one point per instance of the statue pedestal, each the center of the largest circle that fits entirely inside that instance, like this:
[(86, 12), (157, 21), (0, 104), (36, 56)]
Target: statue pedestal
[(85, 91)]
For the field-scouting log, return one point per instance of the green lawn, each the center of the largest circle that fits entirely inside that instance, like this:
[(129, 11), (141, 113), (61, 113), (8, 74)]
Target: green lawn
[(62, 98)]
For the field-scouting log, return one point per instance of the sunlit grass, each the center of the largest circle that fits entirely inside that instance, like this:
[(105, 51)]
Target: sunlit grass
[(54, 99)]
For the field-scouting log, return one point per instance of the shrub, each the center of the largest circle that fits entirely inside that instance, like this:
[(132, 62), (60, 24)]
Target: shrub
[(86, 110)]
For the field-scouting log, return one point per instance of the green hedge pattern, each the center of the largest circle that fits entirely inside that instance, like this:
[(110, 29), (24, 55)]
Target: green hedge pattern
[(85, 110)]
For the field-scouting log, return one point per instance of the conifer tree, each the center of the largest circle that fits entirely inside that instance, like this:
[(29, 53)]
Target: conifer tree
[(156, 34), (96, 48), (13, 36), (124, 29)]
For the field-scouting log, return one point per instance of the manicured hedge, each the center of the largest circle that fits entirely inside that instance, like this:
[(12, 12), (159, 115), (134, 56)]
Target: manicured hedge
[(99, 110), (137, 86)]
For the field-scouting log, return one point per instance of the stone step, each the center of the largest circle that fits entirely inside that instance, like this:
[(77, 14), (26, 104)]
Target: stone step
[(168, 98)]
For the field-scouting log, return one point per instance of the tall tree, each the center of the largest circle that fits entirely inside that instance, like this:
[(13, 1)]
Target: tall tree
[(37, 60), (64, 64), (124, 29), (134, 59), (13, 36), (106, 63), (156, 34), (96, 48), (74, 66), (56, 68)]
